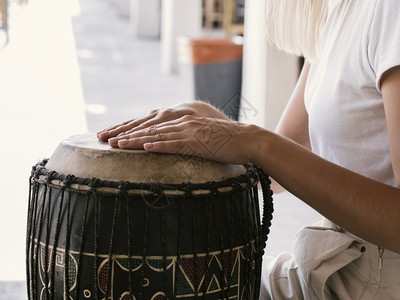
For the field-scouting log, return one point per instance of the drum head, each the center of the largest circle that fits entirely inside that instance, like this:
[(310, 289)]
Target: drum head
[(85, 156)]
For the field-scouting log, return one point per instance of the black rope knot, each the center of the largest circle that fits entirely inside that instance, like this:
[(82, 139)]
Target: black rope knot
[(157, 189), (68, 180), (246, 178), (94, 183), (212, 187), (237, 187), (187, 189), (123, 187), (36, 173), (34, 170), (50, 176)]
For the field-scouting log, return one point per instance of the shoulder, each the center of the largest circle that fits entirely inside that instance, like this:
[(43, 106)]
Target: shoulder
[(384, 36), (386, 8), (385, 21), (387, 3)]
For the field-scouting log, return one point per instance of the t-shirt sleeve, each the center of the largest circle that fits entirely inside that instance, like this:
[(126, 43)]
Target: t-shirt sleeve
[(384, 39)]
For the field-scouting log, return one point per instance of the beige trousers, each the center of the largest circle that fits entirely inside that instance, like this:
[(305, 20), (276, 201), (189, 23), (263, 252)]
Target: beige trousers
[(331, 264)]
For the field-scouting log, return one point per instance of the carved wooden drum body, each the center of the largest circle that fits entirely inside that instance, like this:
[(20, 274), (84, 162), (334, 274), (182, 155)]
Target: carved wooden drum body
[(114, 224)]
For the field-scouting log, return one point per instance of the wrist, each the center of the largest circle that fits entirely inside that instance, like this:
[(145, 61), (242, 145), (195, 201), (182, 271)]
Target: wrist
[(259, 143)]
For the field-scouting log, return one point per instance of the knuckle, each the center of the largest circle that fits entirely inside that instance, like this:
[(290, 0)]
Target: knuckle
[(152, 129), (166, 112), (187, 118), (153, 111), (194, 123), (141, 125), (132, 123), (191, 122), (129, 122), (161, 137), (124, 127)]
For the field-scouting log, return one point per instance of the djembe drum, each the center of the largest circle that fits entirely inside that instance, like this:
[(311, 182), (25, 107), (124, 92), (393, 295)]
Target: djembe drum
[(116, 224)]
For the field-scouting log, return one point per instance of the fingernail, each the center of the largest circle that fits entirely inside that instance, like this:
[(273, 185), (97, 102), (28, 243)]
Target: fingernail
[(148, 146), (102, 134), (123, 142), (112, 140)]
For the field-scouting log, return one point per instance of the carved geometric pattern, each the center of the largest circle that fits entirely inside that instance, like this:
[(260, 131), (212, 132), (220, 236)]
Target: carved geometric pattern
[(211, 274)]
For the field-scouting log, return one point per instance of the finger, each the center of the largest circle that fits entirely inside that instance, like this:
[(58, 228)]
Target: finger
[(174, 126), (170, 146), (178, 146), (158, 117), (137, 143), (117, 125), (163, 117), (104, 131), (135, 125), (152, 130), (115, 130)]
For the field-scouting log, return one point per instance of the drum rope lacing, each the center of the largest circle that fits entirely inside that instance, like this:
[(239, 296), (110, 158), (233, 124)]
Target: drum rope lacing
[(69, 183), (82, 185)]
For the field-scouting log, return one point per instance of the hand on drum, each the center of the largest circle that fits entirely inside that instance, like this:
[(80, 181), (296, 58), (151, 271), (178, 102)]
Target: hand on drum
[(185, 130), (158, 116)]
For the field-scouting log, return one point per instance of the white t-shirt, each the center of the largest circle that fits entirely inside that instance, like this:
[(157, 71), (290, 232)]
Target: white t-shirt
[(360, 41)]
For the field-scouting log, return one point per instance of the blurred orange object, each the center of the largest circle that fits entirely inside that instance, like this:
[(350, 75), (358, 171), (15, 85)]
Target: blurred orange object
[(208, 50)]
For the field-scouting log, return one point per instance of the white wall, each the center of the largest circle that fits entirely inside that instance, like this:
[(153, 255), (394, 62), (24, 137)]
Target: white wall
[(41, 104)]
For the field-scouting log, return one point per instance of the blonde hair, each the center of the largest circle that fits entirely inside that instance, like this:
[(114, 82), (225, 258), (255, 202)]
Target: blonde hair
[(295, 25)]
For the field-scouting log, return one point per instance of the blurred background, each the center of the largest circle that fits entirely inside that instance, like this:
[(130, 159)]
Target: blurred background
[(75, 66)]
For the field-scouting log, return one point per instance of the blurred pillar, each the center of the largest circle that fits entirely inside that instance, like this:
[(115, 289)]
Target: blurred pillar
[(178, 18), (122, 7), (145, 18), (269, 75)]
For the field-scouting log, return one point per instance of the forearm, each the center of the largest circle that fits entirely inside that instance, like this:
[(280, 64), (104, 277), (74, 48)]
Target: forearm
[(368, 209)]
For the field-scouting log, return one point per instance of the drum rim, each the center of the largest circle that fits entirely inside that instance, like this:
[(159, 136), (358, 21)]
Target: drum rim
[(85, 156), (82, 184)]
